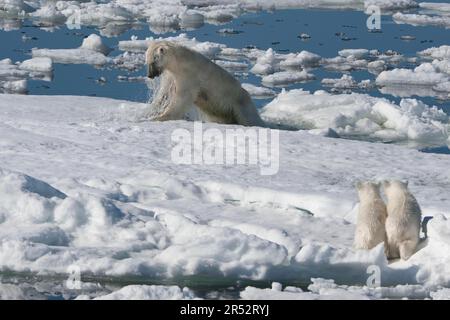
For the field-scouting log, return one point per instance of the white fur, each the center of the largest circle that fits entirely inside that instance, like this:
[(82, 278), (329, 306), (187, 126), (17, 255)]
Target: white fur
[(403, 220), (372, 215), (190, 79)]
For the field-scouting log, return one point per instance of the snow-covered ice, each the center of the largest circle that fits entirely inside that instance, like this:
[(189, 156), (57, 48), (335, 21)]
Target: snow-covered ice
[(287, 77), (91, 51), (359, 114), (145, 292), (258, 92), (422, 19), (83, 183), (14, 77)]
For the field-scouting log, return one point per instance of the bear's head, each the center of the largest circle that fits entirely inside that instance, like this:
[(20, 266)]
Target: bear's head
[(368, 188), (157, 57), (394, 187)]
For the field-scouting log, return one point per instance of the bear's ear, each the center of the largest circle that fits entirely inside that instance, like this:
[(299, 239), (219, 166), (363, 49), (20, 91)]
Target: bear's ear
[(161, 50), (405, 183), (385, 183)]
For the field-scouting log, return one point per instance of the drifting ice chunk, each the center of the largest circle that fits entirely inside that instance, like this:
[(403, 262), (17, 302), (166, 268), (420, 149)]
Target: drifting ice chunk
[(390, 5), (43, 64), (354, 53), (303, 59), (421, 20), (266, 63), (442, 52), (94, 42), (17, 86), (258, 92), (287, 77), (90, 52), (145, 292), (423, 75)]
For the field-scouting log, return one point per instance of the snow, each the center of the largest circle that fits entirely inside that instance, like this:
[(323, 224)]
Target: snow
[(94, 43), (303, 59), (144, 292), (421, 19), (353, 53), (359, 114), (390, 5), (287, 77), (423, 75), (266, 63), (326, 289), (16, 86), (444, 7), (37, 64), (442, 294), (258, 92), (84, 182), (206, 48), (13, 77), (442, 52), (345, 82)]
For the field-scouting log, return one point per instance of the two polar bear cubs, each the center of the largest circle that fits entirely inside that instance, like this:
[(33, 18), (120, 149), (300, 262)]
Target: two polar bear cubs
[(397, 224), (189, 79)]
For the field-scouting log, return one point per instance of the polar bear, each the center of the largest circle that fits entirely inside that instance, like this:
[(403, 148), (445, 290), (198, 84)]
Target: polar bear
[(190, 79), (370, 230), (403, 220)]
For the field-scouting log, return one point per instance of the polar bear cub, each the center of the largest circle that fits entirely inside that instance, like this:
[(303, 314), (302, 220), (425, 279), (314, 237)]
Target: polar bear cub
[(370, 230), (403, 220)]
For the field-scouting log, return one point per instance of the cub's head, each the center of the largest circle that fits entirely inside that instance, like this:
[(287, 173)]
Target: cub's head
[(367, 187), (392, 186), (158, 57)]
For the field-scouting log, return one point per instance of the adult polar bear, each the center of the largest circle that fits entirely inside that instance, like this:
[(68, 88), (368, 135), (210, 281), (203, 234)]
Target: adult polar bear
[(188, 78)]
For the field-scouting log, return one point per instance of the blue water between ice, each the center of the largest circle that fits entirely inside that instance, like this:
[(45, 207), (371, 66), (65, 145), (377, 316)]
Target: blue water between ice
[(278, 30)]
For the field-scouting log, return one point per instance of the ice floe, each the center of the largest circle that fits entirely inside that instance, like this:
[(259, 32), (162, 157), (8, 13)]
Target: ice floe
[(145, 292), (80, 186), (422, 19), (92, 51), (13, 77), (324, 289), (287, 77), (358, 114), (258, 92)]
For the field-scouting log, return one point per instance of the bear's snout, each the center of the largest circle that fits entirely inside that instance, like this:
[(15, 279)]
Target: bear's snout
[(153, 71)]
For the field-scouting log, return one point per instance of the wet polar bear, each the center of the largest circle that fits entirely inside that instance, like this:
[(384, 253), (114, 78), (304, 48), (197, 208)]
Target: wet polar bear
[(370, 230), (403, 220), (190, 79)]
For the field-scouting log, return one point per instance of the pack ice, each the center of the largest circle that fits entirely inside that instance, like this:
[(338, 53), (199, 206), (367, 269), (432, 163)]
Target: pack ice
[(84, 183)]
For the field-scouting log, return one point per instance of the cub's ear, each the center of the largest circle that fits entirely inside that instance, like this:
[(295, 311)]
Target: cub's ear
[(385, 183), (405, 183), (377, 184)]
